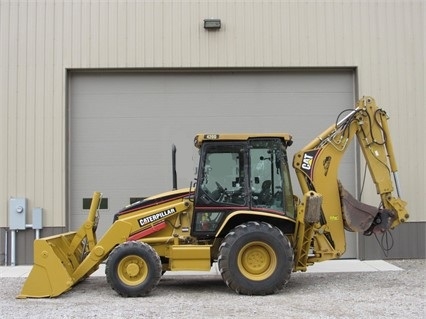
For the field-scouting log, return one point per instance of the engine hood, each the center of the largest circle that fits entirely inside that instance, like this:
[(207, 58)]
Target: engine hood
[(155, 200)]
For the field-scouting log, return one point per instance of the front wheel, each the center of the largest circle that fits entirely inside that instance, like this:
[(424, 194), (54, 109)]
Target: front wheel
[(133, 269), (255, 258)]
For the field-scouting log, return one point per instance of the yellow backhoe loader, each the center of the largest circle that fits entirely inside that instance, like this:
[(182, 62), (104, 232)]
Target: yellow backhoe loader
[(241, 213)]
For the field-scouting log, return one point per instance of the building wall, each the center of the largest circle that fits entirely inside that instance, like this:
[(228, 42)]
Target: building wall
[(40, 40)]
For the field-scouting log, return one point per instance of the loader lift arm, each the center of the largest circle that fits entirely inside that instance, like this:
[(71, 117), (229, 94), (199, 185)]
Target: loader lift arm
[(73, 256), (317, 167)]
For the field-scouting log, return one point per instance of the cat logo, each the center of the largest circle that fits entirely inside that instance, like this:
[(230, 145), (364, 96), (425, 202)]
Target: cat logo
[(307, 161)]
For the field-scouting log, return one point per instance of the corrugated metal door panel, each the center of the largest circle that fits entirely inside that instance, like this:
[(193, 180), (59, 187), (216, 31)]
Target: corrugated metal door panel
[(122, 125)]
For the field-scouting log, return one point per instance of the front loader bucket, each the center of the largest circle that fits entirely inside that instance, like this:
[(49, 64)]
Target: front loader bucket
[(53, 267), (60, 260)]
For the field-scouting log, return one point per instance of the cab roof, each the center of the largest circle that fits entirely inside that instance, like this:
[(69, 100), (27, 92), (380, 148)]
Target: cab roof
[(201, 138)]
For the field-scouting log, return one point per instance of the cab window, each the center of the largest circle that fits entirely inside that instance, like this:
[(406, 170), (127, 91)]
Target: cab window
[(222, 177), (269, 177)]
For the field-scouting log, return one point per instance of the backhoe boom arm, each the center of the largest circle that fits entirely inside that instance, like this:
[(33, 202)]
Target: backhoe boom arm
[(317, 166)]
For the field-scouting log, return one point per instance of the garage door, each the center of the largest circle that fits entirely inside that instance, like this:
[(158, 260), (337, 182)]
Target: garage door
[(122, 125)]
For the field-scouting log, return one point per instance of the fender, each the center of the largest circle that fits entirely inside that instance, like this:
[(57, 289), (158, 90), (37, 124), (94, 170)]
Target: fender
[(256, 216)]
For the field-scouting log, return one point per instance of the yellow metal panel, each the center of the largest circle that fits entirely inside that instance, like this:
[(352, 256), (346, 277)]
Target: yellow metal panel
[(190, 252), (190, 257)]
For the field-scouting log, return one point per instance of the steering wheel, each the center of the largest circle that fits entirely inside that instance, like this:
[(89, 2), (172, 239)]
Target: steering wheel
[(218, 192)]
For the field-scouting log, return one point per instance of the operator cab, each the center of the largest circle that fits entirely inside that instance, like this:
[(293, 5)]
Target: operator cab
[(241, 172)]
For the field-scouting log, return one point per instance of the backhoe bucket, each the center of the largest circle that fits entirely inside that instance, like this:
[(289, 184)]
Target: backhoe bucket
[(58, 259), (363, 218)]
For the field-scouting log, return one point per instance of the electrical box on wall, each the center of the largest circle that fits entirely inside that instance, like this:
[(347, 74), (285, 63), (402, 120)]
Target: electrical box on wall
[(17, 213), (37, 218)]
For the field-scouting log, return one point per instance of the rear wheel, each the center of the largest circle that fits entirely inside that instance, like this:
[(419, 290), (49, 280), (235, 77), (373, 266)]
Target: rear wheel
[(255, 258), (133, 269)]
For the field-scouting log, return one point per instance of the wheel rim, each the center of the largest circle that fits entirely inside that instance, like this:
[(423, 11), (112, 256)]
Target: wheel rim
[(257, 261), (132, 270)]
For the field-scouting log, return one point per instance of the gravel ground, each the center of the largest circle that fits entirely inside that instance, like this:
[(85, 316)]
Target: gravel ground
[(385, 294)]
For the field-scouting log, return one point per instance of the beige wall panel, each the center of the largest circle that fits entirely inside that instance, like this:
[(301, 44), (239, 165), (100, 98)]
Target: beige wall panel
[(384, 40), (4, 110), (124, 39), (86, 34), (66, 17), (149, 32), (93, 11), (12, 106), (100, 20), (390, 70)]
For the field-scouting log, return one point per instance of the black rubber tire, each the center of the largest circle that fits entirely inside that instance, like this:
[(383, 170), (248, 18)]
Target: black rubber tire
[(133, 269), (255, 258)]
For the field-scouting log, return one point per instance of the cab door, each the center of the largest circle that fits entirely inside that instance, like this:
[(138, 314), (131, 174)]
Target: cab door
[(222, 185), (270, 184)]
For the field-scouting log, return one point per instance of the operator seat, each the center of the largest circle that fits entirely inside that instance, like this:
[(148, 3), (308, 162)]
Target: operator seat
[(265, 195)]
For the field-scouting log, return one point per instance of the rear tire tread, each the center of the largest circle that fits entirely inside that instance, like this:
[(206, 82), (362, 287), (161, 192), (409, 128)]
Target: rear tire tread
[(244, 234)]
